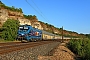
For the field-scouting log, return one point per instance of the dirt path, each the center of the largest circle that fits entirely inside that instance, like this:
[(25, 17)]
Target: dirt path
[(60, 53)]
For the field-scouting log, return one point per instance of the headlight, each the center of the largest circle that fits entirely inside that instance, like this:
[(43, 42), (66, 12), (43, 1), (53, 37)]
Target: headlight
[(22, 34)]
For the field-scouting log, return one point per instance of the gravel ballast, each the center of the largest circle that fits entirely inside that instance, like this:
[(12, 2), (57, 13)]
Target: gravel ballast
[(59, 53), (31, 53)]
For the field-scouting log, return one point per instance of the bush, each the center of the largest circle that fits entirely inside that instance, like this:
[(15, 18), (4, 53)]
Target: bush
[(10, 31), (80, 47)]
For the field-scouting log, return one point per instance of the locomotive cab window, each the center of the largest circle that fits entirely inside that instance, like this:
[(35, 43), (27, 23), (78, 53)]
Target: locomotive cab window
[(26, 28), (20, 28), (23, 28)]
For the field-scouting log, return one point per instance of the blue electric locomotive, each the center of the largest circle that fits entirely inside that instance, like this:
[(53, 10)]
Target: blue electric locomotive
[(28, 33)]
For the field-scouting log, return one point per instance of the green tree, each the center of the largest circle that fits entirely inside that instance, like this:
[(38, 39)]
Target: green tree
[(20, 10), (87, 35), (13, 8), (10, 8), (30, 17), (11, 27)]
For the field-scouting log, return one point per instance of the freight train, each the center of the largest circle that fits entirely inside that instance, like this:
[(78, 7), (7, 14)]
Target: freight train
[(29, 33)]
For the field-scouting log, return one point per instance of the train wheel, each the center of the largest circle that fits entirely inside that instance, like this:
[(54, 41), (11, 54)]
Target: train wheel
[(31, 40), (35, 40), (21, 39)]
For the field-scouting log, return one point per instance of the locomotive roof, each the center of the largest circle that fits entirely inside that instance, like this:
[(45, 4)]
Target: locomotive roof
[(44, 32)]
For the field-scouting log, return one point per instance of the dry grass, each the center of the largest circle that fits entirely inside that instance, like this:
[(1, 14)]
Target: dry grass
[(4, 41)]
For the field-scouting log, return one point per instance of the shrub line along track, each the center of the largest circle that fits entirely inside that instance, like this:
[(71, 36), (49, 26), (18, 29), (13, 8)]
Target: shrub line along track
[(7, 47)]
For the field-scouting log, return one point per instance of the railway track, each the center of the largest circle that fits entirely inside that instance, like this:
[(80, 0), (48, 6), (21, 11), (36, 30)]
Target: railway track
[(9, 43), (10, 47)]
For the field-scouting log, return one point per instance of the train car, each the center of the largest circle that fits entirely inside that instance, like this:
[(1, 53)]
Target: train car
[(47, 35), (28, 33), (58, 37)]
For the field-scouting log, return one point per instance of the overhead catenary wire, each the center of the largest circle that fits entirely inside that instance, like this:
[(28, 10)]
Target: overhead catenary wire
[(38, 8), (35, 10), (9, 2), (35, 5)]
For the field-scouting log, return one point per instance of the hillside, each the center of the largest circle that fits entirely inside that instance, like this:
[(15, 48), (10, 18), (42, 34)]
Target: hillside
[(17, 14)]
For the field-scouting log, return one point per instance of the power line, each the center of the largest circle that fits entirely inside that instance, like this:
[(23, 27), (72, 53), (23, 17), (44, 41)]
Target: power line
[(9, 2), (34, 9), (37, 7)]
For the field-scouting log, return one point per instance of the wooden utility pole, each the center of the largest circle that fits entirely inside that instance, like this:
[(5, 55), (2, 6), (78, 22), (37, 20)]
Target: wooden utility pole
[(62, 33)]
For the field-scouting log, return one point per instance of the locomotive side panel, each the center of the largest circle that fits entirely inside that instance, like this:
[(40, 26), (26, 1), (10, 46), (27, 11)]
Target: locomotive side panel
[(28, 33)]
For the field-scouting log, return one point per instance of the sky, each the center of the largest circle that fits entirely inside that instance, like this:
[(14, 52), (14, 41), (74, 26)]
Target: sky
[(73, 15)]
